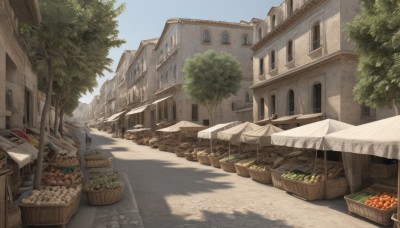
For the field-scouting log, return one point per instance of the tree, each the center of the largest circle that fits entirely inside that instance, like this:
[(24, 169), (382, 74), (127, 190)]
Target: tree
[(376, 33), (211, 77), (72, 40)]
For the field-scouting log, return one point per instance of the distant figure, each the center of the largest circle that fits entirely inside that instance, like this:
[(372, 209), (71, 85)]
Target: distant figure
[(88, 137)]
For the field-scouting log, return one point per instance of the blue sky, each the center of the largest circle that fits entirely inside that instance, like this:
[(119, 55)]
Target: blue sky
[(145, 19)]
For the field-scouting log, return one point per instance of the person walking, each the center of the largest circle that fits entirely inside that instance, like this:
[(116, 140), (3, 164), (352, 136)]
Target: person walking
[(88, 138)]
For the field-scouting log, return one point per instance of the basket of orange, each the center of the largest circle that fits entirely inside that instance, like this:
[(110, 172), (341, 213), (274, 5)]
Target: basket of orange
[(376, 203)]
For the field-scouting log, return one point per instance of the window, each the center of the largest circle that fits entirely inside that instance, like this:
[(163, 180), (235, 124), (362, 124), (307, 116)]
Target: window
[(245, 40), (166, 110), (206, 122), (317, 98), (175, 73), (9, 100), (261, 66), (316, 36), (248, 97), (259, 34), (272, 109), (166, 49), (262, 109), (233, 106), (273, 22), (159, 114), (166, 77), (291, 102), (289, 7), (195, 112), (367, 112), (173, 110), (225, 38), (206, 37), (272, 60), (290, 51)]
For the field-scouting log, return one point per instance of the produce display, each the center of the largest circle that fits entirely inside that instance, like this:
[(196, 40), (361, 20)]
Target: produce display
[(101, 171), (205, 152), (55, 195), (260, 167), (246, 162), (98, 163), (232, 158), (64, 161), (304, 177), (104, 180), (66, 176), (383, 201)]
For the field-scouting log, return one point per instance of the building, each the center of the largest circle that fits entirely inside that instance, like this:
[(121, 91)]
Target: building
[(120, 75), (303, 62), (141, 83), (181, 39), (18, 80), (111, 92)]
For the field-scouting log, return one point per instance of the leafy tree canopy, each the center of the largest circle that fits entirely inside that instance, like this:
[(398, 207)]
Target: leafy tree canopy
[(376, 33)]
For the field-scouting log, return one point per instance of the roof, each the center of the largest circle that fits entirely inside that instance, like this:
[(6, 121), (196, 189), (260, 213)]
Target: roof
[(123, 56), (142, 45)]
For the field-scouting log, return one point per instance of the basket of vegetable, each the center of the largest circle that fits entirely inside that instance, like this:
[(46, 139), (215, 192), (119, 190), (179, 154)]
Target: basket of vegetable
[(202, 157), (98, 163), (71, 176), (305, 185), (215, 157), (180, 152), (242, 166), (376, 203), (228, 163), (63, 162), (104, 187), (162, 147), (260, 173), (189, 156)]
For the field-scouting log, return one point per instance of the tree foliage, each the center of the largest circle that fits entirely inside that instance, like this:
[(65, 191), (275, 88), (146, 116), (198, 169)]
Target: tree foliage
[(69, 49), (211, 77), (376, 33)]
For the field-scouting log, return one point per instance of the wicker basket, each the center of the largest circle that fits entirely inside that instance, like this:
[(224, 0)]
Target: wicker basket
[(261, 176), (314, 191), (94, 157), (162, 147), (105, 197), (203, 159), (91, 164), (189, 156), (171, 149), (336, 187), (215, 161), (14, 217), (40, 215), (277, 179), (228, 166), (374, 214), (242, 171), (180, 152)]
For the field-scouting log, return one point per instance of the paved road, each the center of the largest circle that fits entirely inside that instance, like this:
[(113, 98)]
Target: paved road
[(173, 192)]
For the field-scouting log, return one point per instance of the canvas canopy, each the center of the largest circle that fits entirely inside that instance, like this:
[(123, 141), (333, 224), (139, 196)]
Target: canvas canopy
[(114, 117), (211, 133), (380, 138), (137, 110), (308, 136), (21, 154), (177, 127), (260, 136), (233, 134)]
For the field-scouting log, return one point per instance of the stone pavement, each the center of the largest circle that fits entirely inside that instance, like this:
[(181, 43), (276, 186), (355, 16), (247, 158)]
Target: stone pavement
[(123, 214)]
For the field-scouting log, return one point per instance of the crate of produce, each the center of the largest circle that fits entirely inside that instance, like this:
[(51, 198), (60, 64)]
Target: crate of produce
[(260, 173), (228, 163), (307, 186), (241, 166), (64, 162), (336, 188), (104, 187), (62, 177), (171, 148), (376, 203)]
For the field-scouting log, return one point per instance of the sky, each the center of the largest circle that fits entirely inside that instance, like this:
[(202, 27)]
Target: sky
[(143, 20)]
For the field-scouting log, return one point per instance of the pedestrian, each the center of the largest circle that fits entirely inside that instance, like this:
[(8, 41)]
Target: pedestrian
[(88, 138)]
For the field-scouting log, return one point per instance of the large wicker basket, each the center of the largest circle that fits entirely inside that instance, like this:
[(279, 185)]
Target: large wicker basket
[(203, 159), (228, 166), (215, 161), (374, 214), (171, 149), (314, 191), (180, 152), (336, 188), (40, 215), (162, 147), (261, 176), (93, 157), (104, 197), (277, 179), (242, 171), (189, 156)]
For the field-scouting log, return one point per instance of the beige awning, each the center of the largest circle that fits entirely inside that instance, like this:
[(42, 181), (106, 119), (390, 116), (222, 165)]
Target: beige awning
[(137, 110), (233, 134), (261, 136), (22, 154), (162, 99), (211, 133), (177, 127), (114, 117)]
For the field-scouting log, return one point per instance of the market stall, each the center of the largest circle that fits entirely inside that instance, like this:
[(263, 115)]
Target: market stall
[(315, 178), (380, 138)]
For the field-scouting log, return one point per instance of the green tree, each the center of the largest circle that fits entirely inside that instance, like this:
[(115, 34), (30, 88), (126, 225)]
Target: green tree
[(211, 77), (376, 33), (72, 40)]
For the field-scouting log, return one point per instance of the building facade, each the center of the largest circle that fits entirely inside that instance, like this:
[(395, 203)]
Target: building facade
[(303, 62), (120, 75), (18, 80)]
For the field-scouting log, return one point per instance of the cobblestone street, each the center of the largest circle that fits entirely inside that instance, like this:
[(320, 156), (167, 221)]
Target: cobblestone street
[(173, 192)]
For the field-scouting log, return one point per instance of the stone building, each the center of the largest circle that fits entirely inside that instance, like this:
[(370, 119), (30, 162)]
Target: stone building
[(141, 84), (110, 95), (180, 40), (93, 109), (18, 80), (120, 75), (303, 62)]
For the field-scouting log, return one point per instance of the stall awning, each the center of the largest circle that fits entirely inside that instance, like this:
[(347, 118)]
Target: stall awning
[(137, 110), (177, 127), (260, 136), (285, 119), (211, 133), (22, 154), (233, 134), (162, 99), (114, 117)]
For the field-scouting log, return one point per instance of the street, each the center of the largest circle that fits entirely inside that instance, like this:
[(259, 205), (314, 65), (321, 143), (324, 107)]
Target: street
[(173, 192)]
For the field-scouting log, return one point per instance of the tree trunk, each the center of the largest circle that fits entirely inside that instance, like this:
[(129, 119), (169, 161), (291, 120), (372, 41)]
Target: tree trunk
[(39, 162), (60, 125), (396, 108), (56, 118)]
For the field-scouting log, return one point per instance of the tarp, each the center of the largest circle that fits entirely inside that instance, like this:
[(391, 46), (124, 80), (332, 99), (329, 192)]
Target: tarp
[(137, 110), (114, 117), (233, 134), (211, 133), (261, 136), (177, 127), (380, 138), (308, 136)]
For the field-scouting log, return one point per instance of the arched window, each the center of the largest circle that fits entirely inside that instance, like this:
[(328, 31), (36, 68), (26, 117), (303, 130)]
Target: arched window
[(291, 102), (245, 40), (206, 37), (225, 38), (317, 98), (262, 109), (289, 51), (316, 36), (272, 108)]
